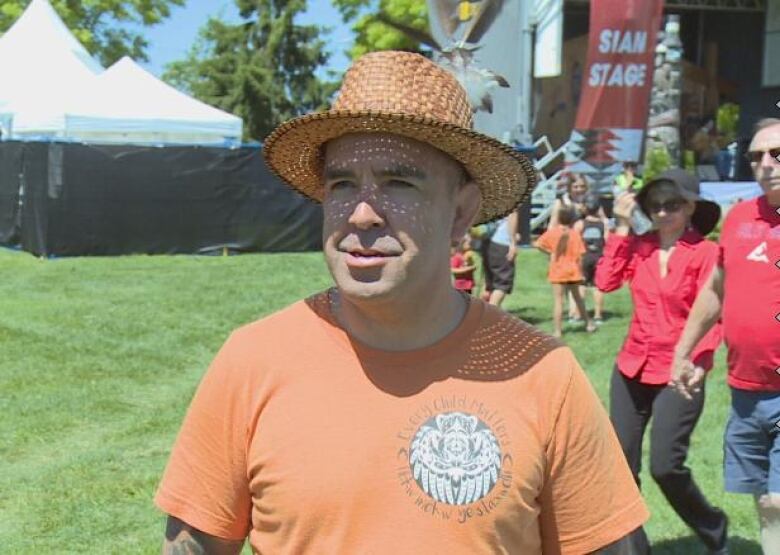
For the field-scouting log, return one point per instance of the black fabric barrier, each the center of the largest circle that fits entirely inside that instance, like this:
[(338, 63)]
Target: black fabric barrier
[(10, 177), (109, 200)]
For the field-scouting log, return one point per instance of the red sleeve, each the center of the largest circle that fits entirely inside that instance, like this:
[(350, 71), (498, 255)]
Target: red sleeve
[(206, 483), (704, 353), (615, 266)]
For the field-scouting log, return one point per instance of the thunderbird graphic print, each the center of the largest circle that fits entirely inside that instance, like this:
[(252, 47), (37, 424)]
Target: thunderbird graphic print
[(455, 458)]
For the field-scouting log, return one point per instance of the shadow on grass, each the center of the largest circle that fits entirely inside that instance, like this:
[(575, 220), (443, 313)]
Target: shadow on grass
[(527, 315), (691, 544)]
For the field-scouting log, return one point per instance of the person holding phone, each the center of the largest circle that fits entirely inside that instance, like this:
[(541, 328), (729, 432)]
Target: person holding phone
[(665, 270)]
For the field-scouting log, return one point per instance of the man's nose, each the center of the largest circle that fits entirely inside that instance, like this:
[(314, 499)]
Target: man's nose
[(366, 216)]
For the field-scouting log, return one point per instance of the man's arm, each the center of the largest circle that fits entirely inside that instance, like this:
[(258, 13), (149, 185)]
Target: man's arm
[(183, 539), (512, 224), (704, 314), (463, 270), (623, 546), (554, 214)]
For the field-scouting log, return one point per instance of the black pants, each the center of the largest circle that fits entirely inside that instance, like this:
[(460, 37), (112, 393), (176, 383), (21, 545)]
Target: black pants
[(674, 418)]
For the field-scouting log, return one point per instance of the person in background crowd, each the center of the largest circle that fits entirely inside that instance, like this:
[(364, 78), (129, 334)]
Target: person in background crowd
[(463, 263), (498, 261), (576, 189), (391, 413), (565, 247), (665, 269), (594, 231), (627, 181), (744, 291)]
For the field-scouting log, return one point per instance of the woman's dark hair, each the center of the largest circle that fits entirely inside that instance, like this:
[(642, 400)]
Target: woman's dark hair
[(592, 204), (567, 215)]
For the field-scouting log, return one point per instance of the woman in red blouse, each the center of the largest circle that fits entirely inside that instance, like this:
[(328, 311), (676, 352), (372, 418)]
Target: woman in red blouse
[(665, 270)]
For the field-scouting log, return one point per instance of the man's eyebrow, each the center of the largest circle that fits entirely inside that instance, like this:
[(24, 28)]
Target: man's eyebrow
[(399, 170), (402, 170), (337, 173)]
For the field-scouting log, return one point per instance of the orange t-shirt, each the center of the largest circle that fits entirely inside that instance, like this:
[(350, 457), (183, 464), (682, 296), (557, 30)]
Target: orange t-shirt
[(567, 268), (489, 441)]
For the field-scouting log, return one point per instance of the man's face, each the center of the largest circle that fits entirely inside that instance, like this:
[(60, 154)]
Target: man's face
[(767, 167), (392, 209)]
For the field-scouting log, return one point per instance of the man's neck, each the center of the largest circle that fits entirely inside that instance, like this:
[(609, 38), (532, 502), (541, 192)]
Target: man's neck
[(402, 324)]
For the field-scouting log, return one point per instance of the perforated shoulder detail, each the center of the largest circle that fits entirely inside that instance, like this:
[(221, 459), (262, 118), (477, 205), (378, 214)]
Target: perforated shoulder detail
[(501, 349), (320, 304), (506, 348)]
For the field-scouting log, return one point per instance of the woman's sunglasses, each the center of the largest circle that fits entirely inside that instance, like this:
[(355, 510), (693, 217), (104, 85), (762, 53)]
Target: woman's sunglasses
[(755, 156), (669, 206)]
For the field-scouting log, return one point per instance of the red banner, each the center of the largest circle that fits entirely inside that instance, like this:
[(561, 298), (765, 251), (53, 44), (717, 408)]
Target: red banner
[(612, 114)]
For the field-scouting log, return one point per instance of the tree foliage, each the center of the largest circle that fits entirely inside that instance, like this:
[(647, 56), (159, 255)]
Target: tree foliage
[(372, 33), (262, 69), (107, 28)]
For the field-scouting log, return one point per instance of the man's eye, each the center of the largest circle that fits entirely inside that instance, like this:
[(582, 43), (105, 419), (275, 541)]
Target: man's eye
[(341, 185)]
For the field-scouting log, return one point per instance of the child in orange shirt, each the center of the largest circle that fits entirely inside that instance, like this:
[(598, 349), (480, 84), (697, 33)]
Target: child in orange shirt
[(565, 247)]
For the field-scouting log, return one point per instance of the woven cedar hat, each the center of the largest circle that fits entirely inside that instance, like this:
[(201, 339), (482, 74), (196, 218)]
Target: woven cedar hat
[(405, 94)]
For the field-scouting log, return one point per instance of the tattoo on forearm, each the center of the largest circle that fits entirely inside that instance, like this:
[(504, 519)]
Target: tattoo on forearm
[(186, 545), (183, 539)]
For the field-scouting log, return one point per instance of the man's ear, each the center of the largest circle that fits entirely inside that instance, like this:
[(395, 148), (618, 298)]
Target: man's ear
[(467, 202)]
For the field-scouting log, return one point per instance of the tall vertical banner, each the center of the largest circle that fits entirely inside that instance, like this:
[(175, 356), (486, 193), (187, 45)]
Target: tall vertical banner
[(612, 114)]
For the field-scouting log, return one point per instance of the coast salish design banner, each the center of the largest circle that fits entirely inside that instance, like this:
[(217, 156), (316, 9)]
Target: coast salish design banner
[(613, 109)]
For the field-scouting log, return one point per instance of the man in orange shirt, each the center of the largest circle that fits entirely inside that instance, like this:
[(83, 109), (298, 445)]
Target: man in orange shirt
[(391, 413)]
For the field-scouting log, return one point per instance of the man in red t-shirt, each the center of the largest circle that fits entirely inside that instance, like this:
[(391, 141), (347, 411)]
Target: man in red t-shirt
[(744, 289)]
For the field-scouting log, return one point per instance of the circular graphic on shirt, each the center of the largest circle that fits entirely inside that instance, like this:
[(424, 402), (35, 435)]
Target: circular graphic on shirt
[(455, 458)]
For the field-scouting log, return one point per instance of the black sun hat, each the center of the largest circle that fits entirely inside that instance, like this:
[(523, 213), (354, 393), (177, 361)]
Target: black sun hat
[(409, 95), (707, 213)]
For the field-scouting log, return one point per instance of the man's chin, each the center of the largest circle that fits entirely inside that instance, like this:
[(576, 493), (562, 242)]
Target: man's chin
[(362, 289)]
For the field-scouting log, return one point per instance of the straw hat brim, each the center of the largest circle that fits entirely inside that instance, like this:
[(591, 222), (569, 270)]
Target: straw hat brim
[(504, 176)]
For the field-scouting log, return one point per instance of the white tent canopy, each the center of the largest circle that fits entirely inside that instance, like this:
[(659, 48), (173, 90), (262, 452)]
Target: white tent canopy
[(42, 66), (55, 89), (128, 104), (6, 121)]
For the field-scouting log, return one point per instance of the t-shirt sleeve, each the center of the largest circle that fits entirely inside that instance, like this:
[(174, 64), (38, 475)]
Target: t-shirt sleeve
[(456, 261), (546, 241), (725, 234), (704, 352), (589, 499), (205, 483)]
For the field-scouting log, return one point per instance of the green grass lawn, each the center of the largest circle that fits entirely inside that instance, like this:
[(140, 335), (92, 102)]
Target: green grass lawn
[(100, 357)]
